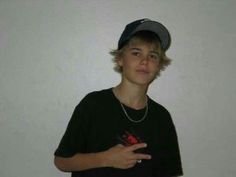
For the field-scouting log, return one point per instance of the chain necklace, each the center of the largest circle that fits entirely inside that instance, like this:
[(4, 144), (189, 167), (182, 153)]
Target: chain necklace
[(132, 120)]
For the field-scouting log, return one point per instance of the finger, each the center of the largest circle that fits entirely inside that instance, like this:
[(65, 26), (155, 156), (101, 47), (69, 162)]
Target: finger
[(136, 146), (119, 145), (142, 156)]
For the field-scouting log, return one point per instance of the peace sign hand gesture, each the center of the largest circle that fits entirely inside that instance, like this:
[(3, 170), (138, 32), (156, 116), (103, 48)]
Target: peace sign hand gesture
[(124, 157)]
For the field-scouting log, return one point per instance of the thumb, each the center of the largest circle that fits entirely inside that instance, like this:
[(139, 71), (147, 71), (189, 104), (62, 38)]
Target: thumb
[(119, 145)]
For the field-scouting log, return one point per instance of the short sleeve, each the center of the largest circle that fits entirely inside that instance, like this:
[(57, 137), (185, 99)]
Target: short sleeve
[(73, 140)]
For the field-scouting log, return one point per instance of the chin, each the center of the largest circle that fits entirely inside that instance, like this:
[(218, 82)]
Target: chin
[(143, 82), (146, 81)]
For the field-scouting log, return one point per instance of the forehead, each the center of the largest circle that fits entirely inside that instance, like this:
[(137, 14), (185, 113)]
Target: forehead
[(138, 43)]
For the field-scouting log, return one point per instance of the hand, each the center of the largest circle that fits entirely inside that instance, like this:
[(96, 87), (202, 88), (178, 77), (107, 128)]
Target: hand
[(124, 157)]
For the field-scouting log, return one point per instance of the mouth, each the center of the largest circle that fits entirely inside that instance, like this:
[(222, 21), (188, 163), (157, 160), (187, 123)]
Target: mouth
[(141, 71)]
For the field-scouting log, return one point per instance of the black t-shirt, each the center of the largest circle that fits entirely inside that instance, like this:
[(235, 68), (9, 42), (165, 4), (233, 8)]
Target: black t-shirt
[(97, 124)]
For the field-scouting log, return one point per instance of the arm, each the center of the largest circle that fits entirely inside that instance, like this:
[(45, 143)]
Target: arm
[(79, 162), (118, 156)]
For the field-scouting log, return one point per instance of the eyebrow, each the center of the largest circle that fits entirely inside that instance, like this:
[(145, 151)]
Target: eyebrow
[(134, 48), (153, 51)]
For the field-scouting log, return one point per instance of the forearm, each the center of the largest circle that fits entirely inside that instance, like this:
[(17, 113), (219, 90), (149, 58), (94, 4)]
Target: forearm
[(80, 162), (118, 156)]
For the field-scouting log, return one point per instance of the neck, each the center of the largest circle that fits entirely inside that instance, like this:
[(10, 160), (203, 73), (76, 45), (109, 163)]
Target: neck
[(131, 95)]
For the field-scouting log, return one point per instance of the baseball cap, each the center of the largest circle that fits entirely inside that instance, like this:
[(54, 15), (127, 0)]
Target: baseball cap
[(146, 25)]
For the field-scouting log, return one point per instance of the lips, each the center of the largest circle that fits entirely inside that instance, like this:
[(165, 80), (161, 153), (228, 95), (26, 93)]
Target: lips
[(142, 71)]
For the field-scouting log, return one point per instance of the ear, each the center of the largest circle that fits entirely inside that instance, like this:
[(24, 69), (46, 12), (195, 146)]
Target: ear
[(119, 61)]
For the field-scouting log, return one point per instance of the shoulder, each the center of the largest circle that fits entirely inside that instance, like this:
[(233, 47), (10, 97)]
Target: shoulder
[(158, 107), (100, 94), (160, 111), (96, 97), (90, 102)]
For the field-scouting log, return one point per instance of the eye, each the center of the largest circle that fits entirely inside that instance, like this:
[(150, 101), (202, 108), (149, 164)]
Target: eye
[(154, 56), (136, 54)]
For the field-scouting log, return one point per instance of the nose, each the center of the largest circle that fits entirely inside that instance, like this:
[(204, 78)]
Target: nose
[(144, 60)]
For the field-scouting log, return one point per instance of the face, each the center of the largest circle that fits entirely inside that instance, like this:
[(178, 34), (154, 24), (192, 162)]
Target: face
[(140, 63)]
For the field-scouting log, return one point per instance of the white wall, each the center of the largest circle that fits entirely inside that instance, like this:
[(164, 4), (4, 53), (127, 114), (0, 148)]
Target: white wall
[(53, 52)]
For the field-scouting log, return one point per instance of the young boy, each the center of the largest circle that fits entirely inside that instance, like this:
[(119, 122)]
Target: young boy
[(120, 131)]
